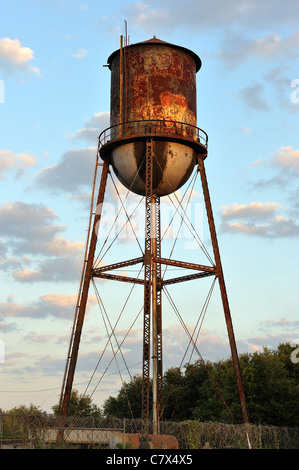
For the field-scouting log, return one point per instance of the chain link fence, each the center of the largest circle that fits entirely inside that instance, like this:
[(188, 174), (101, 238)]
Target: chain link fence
[(46, 431)]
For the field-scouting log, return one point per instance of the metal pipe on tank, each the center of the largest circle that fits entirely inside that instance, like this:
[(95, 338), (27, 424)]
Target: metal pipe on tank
[(121, 82)]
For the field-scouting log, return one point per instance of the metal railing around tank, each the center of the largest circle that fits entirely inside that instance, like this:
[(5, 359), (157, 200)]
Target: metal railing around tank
[(154, 127)]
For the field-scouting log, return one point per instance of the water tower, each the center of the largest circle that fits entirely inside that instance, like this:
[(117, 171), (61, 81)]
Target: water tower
[(153, 145)]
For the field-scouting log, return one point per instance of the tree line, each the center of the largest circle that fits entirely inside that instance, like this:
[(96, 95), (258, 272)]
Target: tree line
[(208, 391)]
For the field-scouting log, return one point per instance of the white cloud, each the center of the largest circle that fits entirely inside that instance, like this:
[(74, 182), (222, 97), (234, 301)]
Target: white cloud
[(33, 337), (13, 57), (274, 226), (253, 96), (55, 305), (10, 263), (274, 45), (73, 172), (282, 323), (59, 246), (257, 162), (30, 228), (283, 227), (15, 161), (211, 15), (253, 210), (80, 54), (93, 127), (267, 46), (286, 161), (287, 157), (142, 15), (3, 248), (19, 218), (245, 228), (236, 48), (60, 269)]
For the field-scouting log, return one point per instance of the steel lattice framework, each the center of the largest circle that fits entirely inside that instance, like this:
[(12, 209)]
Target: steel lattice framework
[(129, 147), (153, 287)]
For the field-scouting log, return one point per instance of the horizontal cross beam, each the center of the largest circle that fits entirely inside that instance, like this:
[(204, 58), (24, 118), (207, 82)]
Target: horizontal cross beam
[(115, 277), (133, 280), (183, 264), (121, 264), (190, 277)]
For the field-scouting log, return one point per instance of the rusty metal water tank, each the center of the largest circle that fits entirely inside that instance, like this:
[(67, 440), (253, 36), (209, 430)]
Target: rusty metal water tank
[(153, 94)]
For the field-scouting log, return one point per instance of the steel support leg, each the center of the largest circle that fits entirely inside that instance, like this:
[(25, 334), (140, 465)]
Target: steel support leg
[(76, 336), (219, 273)]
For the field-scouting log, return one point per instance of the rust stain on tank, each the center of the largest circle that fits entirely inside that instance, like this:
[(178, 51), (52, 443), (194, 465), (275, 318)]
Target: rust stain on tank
[(160, 83)]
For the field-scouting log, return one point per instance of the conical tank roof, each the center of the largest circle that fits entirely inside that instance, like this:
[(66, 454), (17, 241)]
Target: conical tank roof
[(159, 42)]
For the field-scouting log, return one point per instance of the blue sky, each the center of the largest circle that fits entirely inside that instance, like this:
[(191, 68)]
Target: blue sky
[(54, 102)]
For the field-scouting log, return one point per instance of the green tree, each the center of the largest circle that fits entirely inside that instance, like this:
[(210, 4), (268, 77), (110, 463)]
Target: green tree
[(81, 406), (173, 388), (271, 385), (24, 410), (197, 387), (208, 392), (127, 403), (284, 352), (20, 421), (218, 395)]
